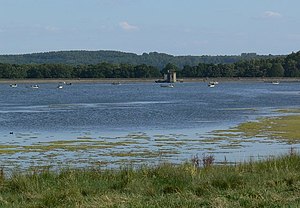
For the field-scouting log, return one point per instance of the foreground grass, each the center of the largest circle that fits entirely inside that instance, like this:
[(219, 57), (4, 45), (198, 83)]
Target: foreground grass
[(269, 183)]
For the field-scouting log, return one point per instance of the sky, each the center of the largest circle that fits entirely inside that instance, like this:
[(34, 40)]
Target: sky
[(177, 27)]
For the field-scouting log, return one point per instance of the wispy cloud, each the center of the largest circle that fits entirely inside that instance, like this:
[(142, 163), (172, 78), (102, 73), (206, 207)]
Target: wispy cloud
[(271, 14), (126, 26)]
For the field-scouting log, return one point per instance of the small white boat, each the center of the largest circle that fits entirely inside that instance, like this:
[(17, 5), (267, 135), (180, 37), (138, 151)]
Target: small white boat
[(275, 82), (214, 82), (34, 86), (167, 85), (211, 85), (59, 87), (13, 85)]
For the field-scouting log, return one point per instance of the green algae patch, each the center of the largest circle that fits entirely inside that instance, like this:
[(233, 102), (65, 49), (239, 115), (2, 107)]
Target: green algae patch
[(9, 151), (66, 142), (164, 139), (144, 154), (134, 154), (65, 145), (231, 146), (85, 138), (221, 134), (287, 127), (138, 136), (6, 146), (73, 148), (284, 128), (291, 110)]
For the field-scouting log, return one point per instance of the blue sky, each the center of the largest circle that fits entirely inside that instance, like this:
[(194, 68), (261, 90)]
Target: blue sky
[(178, 27)]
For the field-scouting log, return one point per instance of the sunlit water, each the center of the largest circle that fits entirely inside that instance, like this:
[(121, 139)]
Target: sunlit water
[(145, 123)]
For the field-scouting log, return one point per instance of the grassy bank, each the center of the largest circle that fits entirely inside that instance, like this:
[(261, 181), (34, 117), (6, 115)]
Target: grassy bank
[(269, 183)]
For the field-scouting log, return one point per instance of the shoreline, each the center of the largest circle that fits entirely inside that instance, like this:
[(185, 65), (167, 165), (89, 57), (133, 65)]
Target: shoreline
[(141, 80)]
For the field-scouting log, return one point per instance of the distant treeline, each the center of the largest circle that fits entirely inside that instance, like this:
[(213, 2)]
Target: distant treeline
[(288, 66), (102, 70), (159, 60)]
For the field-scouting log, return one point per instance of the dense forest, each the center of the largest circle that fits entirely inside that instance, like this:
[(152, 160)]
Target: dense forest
[(155, 59), (283, 66)]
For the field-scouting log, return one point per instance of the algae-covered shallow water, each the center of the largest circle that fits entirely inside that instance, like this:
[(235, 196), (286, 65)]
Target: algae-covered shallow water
[(137, 123)]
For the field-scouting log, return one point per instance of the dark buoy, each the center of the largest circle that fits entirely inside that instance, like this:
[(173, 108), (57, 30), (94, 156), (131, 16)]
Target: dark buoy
[(11, 132)]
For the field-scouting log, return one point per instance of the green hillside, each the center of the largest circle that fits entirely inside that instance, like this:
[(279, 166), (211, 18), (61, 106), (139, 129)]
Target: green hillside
[(94, 57)]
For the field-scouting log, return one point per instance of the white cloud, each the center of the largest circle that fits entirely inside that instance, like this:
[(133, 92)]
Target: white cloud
[(126, 26), (272, 14)]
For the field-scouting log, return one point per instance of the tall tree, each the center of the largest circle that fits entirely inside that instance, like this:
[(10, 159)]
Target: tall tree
[(276, 70)]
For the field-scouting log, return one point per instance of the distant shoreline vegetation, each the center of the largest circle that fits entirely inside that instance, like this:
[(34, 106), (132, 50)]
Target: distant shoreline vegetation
[(120, 65)]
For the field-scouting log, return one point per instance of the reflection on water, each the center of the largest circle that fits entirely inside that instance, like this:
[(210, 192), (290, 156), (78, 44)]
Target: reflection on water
[(107, 125)]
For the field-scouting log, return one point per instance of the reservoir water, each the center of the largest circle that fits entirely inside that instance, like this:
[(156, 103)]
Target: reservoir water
[(138, 123)]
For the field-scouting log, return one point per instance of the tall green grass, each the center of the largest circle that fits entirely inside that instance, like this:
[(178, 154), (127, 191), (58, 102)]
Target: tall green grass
[(274, 182)]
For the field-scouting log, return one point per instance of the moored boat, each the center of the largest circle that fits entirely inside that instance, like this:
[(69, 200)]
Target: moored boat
[(211, 85), (13, 85), (214, 82), (34, 86)]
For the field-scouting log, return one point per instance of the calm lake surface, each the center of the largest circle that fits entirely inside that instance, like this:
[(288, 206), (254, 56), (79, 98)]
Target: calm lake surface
[(139, 123)]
